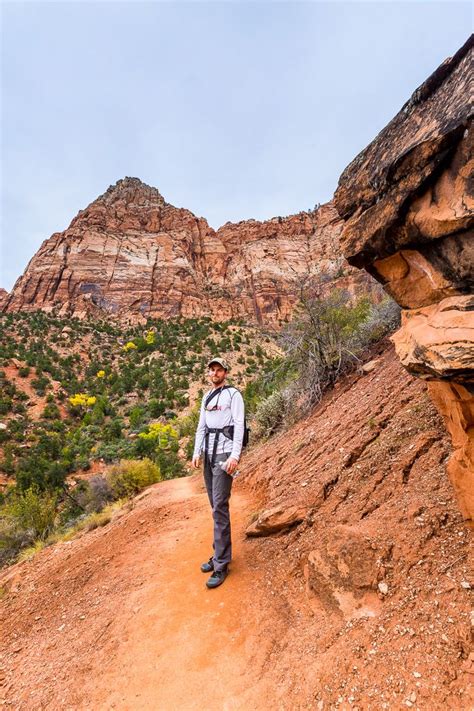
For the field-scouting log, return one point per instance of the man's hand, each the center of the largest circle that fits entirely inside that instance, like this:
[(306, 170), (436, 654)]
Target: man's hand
[(232, 465), (196, 462)]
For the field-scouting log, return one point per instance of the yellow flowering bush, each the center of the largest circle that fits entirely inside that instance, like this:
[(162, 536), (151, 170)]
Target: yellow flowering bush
[(82, 400), (162, 435), (131, 476), (101, 374), (130, 346)]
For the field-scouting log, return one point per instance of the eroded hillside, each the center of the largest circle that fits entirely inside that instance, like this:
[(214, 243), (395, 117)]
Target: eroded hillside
[(375, 578), (362, 604)]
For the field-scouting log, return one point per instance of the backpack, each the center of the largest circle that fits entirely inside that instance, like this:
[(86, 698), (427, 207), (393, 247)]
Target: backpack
[(228, 431)]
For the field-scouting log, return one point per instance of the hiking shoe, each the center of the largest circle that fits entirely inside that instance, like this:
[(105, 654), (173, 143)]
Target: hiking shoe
[(217, 578), (208, 567)]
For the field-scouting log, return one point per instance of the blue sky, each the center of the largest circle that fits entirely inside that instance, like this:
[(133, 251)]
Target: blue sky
[(232, 109)]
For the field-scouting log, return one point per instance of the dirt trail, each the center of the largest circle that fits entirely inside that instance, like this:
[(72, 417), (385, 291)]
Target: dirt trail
[(186, 647), (156, 637)]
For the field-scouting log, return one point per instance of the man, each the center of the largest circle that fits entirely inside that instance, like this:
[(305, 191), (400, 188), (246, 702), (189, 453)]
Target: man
[(222, 407)]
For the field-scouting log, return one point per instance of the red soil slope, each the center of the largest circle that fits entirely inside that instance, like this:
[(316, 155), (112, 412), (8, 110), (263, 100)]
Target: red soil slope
[(368, 470), (120, 617)]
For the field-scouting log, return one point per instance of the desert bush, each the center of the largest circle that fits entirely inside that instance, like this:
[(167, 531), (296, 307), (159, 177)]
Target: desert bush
[(136, 417), (327, 338), (12, 540), (5, 405), (113, 430), (40, 384), (131, 476), (88, 497), (319, 342), (382, 319), (37, 471), (30, 513), (7, 463), (51, 411), (271, 413), (156, 407), (187, 427)]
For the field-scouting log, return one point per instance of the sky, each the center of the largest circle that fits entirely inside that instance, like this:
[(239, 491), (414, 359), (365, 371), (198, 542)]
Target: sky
[(232, 109)]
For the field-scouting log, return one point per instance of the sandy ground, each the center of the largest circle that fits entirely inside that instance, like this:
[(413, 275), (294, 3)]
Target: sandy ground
[(156, 637), (185, 647)]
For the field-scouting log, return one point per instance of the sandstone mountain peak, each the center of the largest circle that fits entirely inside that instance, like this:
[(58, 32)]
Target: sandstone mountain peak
[(132, 255), (131, 188)]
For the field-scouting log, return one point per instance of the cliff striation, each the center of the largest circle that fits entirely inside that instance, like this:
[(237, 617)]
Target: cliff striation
[(131, 254), (408, 208)]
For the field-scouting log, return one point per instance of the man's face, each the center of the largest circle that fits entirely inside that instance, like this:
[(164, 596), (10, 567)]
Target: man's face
[(217, 374)]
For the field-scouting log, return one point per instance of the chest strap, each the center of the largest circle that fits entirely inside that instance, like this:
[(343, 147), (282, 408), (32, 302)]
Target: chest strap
[(215, 431)]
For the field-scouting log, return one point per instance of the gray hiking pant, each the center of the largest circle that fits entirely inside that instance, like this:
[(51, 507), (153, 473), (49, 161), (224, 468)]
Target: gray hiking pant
[(218, 485)]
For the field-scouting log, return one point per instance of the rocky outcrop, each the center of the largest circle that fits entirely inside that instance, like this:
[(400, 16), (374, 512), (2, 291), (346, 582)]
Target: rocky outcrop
[(408, 205), (3, 297), (131, 254), (276, 519)]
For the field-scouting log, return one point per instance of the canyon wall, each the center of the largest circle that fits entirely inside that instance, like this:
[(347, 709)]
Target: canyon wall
[(132, 255), (408, 208)]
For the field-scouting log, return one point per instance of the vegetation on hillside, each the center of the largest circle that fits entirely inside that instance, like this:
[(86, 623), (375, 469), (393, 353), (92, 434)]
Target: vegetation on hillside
[(75, 394), (88, 392), (326, 338)]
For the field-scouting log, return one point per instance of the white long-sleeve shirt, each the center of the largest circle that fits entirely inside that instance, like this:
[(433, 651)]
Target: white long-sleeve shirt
[(226, 408)]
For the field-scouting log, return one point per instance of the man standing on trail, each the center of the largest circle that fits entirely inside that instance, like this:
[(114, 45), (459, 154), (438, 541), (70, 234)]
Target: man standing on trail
[(219, 436)]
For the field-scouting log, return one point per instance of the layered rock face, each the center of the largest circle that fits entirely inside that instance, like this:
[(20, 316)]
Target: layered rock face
[(408, 206), (131, 254)]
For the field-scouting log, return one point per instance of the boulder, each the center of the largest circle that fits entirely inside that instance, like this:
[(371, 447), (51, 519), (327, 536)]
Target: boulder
[(370, 366), (276, 519)]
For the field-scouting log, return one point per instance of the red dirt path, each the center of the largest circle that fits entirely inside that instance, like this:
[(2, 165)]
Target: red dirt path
[(121, 618)]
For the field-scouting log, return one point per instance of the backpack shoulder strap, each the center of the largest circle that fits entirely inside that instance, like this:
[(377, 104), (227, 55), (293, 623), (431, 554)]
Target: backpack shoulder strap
[(213, 394), (232, 387)]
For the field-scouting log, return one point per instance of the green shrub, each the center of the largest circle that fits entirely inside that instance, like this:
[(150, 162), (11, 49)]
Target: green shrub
[(319, 342), (31, 512), (6, 404), (271, 413), (156, 408), (51, 411), (328, 335), (40, 384), (136, 417), (131, 476)]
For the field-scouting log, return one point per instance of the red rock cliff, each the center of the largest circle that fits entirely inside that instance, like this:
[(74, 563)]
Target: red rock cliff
[(131, 254), (408, 205)]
